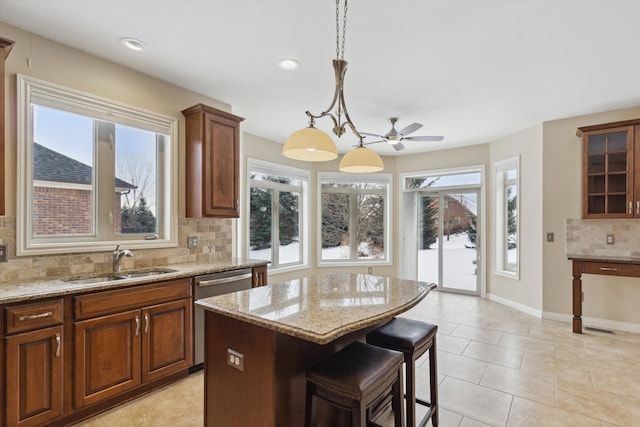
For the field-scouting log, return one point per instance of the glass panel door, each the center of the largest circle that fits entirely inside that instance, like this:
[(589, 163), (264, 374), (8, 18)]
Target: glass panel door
[(448, 239)]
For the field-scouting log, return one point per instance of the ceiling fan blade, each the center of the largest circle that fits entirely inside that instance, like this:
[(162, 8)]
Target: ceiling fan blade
[(410, 129), (424, 138), (371, 134), (372, 142), (398, 146)]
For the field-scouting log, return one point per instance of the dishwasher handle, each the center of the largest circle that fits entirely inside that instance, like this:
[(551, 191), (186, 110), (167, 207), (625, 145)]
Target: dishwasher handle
[(224, 280)]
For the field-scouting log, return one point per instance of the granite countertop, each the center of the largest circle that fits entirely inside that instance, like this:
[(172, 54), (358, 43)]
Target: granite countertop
[(20, 292), (321, 308), (605, 258)]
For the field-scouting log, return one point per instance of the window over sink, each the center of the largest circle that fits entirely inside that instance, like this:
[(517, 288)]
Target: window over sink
[(92, 173)]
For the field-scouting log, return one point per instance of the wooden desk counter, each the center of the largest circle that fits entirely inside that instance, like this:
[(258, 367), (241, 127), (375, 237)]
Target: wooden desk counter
[(629, 267), (278, 330)]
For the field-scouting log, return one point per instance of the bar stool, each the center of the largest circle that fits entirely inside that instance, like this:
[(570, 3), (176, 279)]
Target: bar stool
[(413, 338), (357, 378)]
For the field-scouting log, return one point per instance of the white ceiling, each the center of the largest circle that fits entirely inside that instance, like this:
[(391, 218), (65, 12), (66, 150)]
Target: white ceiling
[(473, 71)]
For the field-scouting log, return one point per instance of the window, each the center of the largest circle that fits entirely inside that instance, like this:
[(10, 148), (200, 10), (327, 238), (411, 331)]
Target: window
[(92, 173), (507, 188), (355, 217), (277, 209)]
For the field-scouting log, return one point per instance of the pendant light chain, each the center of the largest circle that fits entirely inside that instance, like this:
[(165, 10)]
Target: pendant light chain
[(339, 50)]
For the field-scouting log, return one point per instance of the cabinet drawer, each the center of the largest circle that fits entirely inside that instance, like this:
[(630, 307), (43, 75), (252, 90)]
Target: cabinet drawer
[(27, 317), (108, 302), (611, 268)]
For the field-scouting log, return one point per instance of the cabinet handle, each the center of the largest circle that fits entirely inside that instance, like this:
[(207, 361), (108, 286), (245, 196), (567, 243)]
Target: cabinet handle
[(58, 345), (608, 269), (137, 325), (630, 207), (35, 316), (146, 323), (637, 207)]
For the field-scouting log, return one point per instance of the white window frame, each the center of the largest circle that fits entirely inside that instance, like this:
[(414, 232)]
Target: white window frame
[(255, 165), (501, 183), (383, 178), (54, 96)]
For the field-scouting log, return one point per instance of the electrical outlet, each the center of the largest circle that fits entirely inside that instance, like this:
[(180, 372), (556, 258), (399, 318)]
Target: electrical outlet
[(192, 242), (235, 359), (3, 253), (549, 237), (370, 270), (610, 239)]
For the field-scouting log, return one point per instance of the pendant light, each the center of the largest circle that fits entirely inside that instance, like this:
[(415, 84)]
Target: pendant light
[(314, 145)]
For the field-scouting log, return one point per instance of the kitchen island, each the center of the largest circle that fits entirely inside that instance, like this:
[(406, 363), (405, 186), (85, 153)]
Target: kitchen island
[(259, 342)]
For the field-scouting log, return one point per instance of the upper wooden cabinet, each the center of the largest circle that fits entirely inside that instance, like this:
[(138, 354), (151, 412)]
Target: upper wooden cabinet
[(611, 170), (212, 162), (5, 47)]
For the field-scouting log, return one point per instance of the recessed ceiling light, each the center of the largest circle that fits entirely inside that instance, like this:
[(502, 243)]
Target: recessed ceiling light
[(288, 64), (133, 44)]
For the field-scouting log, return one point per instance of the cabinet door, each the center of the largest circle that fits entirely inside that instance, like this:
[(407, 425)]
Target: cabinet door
[(107, 356), (221, 153), (608, 174), (167, 339), (34, 377)]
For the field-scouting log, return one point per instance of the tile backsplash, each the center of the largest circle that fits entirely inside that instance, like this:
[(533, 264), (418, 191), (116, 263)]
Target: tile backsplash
[(214, 243), (589, 237)]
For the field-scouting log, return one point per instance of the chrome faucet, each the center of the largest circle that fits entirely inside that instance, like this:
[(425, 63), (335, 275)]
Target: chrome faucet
[(117, 257)]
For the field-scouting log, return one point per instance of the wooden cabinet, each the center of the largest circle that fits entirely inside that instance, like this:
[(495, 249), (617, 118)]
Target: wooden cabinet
[(259, 276), (107, 360), (5, 48), (611, 170), (136, 338), (34, 363), (212, 162)]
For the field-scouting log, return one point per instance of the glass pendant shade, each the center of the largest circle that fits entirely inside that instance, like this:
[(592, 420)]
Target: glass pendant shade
[(361, 160), (311, 145)]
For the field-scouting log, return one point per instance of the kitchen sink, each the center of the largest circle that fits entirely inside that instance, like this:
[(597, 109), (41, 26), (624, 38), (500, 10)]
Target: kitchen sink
[(119, 276)]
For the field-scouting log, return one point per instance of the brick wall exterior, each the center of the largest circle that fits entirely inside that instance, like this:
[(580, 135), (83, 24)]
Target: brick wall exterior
[(65, 211)]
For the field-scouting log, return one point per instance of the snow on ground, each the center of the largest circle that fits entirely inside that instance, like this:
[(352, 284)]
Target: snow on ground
[(459, 271)]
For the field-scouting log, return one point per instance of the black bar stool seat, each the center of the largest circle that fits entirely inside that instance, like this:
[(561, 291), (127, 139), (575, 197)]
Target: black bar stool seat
[(413, 338), (359, 378)]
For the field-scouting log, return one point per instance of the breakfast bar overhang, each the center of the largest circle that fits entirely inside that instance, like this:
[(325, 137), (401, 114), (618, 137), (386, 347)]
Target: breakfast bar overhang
[(259, 342)]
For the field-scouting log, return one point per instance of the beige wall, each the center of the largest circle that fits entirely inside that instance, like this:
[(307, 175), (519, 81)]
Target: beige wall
[(527, 290), (610, 298)]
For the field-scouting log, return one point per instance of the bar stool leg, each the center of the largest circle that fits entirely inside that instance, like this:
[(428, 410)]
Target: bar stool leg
[(433, 384), (410, 363), (396, 403), (358, 414)]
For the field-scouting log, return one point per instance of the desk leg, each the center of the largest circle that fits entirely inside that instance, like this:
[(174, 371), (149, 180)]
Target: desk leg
[(577, 297)]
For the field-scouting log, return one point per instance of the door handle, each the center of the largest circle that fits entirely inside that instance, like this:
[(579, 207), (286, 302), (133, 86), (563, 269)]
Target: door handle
[(58, 345)]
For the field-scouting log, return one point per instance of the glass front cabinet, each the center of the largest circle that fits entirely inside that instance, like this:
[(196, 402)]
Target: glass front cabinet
[(611, 170)]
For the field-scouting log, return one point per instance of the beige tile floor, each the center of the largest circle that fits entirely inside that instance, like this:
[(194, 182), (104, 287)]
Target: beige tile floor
[(496, 367)]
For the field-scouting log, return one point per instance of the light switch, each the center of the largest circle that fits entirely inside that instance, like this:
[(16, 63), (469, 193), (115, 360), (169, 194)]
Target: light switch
[(549, 237)]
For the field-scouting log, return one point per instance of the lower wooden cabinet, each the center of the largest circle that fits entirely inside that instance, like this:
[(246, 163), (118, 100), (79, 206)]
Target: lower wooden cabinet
[(65, 359), (34, 372), (107, 357), (118, 352), (166, 339)]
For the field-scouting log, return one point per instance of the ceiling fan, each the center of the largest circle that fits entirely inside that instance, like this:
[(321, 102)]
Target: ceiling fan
[(395, 137)]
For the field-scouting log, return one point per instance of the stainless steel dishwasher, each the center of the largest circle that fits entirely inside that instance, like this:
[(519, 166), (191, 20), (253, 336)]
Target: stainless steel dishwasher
[(210, 285)]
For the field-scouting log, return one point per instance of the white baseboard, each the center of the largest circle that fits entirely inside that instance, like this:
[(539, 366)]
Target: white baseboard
[(515, 305), (594, 322)]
